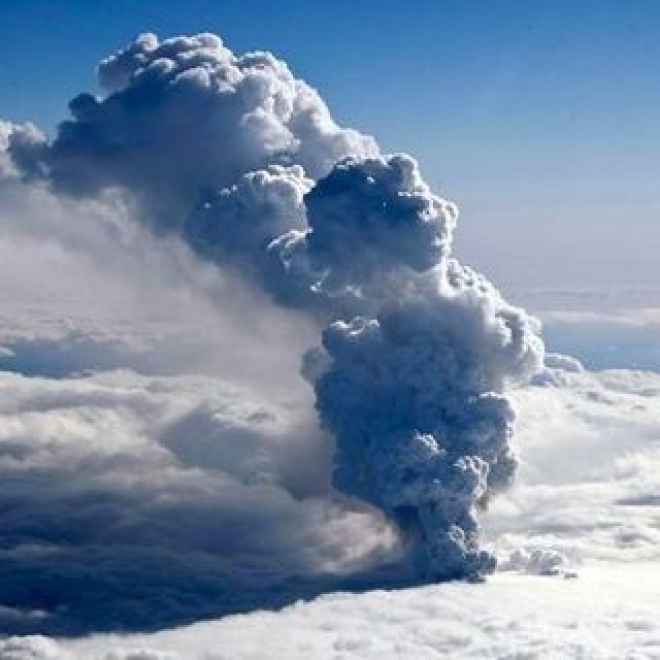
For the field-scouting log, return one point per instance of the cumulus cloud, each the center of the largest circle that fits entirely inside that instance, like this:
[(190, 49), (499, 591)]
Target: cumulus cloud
[(19, 137), (136, 502), (85, 287)]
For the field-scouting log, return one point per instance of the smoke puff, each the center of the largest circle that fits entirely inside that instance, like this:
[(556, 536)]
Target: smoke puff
[(26, 139), (372, 223), (412, 387), (382, 204), (537, 561), (235, 225), (184, 116), (299, 237)]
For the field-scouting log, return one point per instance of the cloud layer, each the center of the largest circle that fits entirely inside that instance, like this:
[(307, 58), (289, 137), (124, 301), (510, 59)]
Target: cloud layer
[(133, 501), (566, 515)]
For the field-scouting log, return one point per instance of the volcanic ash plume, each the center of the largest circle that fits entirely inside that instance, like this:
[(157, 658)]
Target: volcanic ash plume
[(244, 162), (412, 386)]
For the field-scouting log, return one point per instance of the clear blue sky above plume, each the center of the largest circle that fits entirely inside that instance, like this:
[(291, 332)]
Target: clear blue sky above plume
[(539, 118)]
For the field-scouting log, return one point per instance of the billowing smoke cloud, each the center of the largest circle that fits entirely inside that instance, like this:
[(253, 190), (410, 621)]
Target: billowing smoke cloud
[(412, 385), (373, 225), (183, 117), (244, 163), (411, 374), (422, 429)]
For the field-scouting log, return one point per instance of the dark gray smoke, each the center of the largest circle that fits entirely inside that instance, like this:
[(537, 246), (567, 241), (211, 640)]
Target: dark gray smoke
[(411, 374), (414, 397), (245, 163), (412, 385)]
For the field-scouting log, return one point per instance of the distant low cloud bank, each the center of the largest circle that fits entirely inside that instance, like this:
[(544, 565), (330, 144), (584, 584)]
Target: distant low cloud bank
[(206, 158)]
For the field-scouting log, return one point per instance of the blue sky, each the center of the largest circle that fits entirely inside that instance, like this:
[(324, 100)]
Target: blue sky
[(539, 118)]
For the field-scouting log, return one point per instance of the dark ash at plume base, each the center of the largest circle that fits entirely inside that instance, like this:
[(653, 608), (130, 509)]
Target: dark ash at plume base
[(244, 162)]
